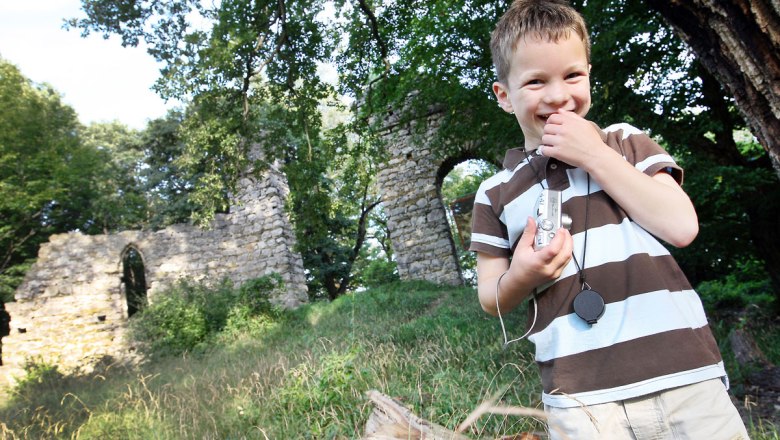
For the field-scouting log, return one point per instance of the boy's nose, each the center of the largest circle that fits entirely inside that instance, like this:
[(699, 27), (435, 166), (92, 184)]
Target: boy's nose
[(556, 94)]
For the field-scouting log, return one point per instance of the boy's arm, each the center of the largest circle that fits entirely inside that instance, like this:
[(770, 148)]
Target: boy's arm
[(527, 270), (656, 203)]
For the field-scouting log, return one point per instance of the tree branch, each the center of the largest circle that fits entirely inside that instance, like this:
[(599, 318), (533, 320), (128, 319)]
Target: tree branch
[(375, 31)]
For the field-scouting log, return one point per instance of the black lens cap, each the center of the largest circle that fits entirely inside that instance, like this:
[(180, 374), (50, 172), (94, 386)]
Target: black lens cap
[(589, 305)]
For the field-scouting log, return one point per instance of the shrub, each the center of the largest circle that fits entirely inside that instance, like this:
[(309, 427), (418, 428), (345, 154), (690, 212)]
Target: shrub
[(184, 316), (747, 285), (173, 323), (37, 373)]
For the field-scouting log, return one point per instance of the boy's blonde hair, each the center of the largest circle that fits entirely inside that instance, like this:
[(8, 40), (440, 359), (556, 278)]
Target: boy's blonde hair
[(550, 20)]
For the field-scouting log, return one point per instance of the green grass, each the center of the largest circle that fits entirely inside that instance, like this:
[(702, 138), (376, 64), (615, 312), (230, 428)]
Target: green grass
[(304, 376)]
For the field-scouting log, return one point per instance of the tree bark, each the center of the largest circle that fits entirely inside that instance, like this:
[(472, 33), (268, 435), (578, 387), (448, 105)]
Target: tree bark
[(738, 41)]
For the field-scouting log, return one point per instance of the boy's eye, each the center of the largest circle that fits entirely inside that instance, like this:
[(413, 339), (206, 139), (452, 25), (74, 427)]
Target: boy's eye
[(574, 75), (534, 82)]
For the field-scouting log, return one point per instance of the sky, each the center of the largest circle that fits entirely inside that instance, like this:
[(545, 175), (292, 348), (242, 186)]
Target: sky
[(99, 78)]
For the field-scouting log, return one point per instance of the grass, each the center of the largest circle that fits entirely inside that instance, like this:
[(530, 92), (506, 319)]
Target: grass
[(304, 376)]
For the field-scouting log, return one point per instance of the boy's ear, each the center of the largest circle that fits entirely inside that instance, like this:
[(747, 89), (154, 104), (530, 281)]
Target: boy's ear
[(500, 90)]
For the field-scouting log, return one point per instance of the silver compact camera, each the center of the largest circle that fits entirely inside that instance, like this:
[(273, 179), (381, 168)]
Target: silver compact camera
[(549, 217)]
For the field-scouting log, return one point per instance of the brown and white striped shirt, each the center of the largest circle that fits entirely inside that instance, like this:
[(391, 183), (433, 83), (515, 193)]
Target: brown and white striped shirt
[(654, 334)]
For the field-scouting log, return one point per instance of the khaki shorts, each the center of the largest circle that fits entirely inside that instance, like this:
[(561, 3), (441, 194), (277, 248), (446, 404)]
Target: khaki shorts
[(699, 411)]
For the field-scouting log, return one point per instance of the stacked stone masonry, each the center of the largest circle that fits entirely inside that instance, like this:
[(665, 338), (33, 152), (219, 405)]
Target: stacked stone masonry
[(71, 307), (416, 217)]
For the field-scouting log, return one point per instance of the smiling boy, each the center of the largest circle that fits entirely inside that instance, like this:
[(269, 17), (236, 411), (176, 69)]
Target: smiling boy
[(645, 365)]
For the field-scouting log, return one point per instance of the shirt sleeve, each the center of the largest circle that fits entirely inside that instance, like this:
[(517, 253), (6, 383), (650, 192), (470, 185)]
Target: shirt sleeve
[(642, 151), (488, 233)]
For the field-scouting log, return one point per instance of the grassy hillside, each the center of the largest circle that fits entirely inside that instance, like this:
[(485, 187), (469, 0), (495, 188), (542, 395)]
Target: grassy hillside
[(303, 375)]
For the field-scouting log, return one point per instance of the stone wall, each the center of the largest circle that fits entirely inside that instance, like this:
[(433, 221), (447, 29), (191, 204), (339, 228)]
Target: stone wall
[(416, 217), (71, 307)]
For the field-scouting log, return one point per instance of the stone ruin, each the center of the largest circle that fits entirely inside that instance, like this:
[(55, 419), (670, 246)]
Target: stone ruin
[(74, 303)]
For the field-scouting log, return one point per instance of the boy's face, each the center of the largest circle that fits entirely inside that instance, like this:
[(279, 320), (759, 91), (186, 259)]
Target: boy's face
[(545, 77)]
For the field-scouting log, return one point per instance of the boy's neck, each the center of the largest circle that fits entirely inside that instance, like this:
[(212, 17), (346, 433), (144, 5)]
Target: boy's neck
[(531, 150)]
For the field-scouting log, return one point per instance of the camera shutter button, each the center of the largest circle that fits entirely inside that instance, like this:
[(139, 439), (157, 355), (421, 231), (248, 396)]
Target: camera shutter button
[(546, 224)]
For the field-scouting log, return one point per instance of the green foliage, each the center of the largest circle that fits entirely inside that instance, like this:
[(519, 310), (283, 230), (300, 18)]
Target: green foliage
[(167, 180), (119, 202), (428, 56), (10, 278), (376, 271), (46, 174), (465, 178), (239, 58), (321, 229), (730, 233), (173, 324), (255, 293), (37, 374), (185, 316), (332, 202), (746, 286)]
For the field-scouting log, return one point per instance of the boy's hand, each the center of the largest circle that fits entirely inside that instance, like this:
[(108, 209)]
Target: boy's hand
[(528, 270), (571, 138), (546, 264)]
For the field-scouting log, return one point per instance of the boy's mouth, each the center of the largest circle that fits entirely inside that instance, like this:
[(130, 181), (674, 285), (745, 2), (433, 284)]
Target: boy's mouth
[(546, 116)]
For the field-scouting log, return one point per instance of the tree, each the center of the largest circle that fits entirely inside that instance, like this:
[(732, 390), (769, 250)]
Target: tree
[(245, 54), (738, 42), (45, 173), (167, 182), (250, 75), (119, 201), (332, 200)]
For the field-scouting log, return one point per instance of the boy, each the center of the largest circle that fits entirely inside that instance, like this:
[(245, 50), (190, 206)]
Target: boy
[(622, 342)]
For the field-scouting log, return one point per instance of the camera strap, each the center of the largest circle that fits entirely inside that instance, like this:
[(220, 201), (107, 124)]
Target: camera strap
[(588, 304)]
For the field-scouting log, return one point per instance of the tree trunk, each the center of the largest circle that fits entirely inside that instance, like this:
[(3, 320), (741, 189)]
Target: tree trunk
[(738, 41), (392, 421)]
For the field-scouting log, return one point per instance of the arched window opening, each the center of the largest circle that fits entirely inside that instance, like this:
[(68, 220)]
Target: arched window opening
[(134, 279), (458, 189)]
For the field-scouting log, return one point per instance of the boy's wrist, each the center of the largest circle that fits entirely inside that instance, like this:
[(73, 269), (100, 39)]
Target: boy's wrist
[(515, 284), (602, 162)]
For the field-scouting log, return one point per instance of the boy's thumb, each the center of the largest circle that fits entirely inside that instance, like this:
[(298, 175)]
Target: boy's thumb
[(527, 239)]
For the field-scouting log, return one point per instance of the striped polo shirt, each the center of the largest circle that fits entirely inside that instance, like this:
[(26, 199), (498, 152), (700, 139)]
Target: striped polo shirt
[(654, 334)]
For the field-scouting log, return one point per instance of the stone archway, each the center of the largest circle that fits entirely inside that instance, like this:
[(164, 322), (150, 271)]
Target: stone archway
[(410, 183)]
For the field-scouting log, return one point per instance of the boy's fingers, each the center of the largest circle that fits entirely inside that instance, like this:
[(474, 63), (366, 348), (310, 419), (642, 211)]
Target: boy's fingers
[(558, 243)]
